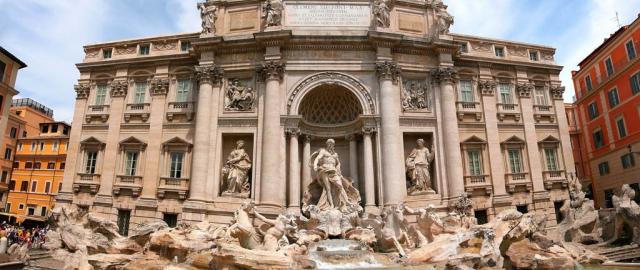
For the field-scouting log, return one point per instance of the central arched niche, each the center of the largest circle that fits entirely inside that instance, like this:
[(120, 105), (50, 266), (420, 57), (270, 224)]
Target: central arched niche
[(330, 104)]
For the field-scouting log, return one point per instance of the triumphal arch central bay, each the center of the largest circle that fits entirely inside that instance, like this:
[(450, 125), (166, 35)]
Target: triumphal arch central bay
[(186, 127)]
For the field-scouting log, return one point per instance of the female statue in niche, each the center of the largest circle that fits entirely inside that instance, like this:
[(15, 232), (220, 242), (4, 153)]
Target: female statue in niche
[(418, 165), (237, 168)]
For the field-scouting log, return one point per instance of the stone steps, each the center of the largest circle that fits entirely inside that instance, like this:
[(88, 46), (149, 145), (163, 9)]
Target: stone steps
[(621, 253)]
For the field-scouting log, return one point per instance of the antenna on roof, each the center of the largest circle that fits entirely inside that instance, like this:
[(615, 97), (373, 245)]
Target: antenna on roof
[(617, 20)]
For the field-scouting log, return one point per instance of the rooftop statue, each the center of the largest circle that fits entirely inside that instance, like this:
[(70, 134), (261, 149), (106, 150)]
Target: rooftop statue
[(208, 16)]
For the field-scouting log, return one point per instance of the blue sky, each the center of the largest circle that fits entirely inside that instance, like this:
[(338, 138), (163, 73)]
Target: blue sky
[(49, 34)]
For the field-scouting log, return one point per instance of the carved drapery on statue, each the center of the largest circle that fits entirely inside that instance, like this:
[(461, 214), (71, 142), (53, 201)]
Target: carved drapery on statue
[(272, 12), (330, 189), (444, 20), (381, 11), (418, 165), (415, 96), (209, 17), (238, 97), (236, 171)]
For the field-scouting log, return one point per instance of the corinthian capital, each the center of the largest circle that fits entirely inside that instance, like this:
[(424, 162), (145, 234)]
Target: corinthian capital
[(159, 86), (487, 87), (82, 90), (209, 73), (271, 70), (524, 89), (119, 88), (444, 74), (388, 71), (557, 91)]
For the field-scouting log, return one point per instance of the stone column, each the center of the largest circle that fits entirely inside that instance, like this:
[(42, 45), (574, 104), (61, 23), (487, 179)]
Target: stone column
[(453, 159), (563, 127), (272, 184), (369, 181), (306, 159), (535, 167), (207, 75), (353, 158), (390, 136), (294, 170)]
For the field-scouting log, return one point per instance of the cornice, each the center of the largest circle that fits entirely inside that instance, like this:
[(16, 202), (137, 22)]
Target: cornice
[(134, 61), (384, 39), (507, 62)]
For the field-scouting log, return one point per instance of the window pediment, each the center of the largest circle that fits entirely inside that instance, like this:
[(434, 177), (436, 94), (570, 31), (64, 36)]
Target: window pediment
[(177, 143), (133, 143), (513, 142), (474, 142), (549, 141), (92, 142)]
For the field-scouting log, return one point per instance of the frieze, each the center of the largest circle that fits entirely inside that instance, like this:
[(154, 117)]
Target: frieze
[(487, 87), (517, 51), (388, 71), (557, 92), (547, 56), (165, 45), (125, 50), (92, 54), (415, 95), (444, 74), (335, 76), (524, 89), (159, 86), (209, 74), (119, 88), (237, 122), (82, 90), (481, 46), (271, 70)]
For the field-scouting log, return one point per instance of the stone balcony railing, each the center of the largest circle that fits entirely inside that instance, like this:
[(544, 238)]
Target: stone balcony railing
[(508, 109), (471, 108), (180, 108), (521, 179), (129, 182), (543, 111), (176, 185), (98, 112), (87, 180), (475, 182), (555, 177), (141, 110)]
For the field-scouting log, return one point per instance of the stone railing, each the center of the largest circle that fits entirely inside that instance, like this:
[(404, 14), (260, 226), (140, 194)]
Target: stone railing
[(99, 112), (543, 111), (173, 185), (520, 179), (180, 108), (472, 108), (473, 182), (508, 109), (140, 110), (87, 180), (128, 182), (555, 177)]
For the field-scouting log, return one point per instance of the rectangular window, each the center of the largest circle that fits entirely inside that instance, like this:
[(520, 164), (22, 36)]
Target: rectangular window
[(622, 129), (609, 65), (101, 94), (55, 146), (59, 186), (34, 186), (106, 53), (613, 98), (170, 219), (533, 56), (144, 49), (123, 221), (37, 165), (33, 146), (28, 165), (62, 165), (481, 216), (90, 163), (41, 146), (8, 208), (131, 163), (505, 93), (608, 198), (499, 51), (182, 92), (12, 185), (19, 146), (16, 164), (587, 81), (515, 160), (47, 187), (24, 186), (7, 153), (185, 46), (31, 211), (631, 50), (20, 206), (139, 95), (5, 174), (45, 129), (628, 161), (13, 133), (551, 157), (593, 110), (54, 128), (598, 139), (51, 165), (635, 83), (603, 168), (177, 162), (43, 211), (541, 95), (24, 134), (475, 162), (466, 91), (522, 208)]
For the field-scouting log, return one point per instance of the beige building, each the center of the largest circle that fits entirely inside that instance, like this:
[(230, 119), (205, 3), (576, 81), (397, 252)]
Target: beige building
[(157, 119)]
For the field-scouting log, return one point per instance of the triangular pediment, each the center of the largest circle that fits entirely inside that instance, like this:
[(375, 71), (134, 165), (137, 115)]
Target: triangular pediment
[(91, 140), (514, 140), (474, 139), (177, 141)]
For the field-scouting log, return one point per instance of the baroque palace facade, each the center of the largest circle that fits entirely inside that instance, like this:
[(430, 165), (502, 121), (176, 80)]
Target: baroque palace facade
[(186, 127)]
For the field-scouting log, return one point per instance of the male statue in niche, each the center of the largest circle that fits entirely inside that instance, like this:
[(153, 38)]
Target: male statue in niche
[(236, 168), (418, 168)]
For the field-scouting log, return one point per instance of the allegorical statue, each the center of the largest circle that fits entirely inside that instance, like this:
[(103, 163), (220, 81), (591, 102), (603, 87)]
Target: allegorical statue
[(208, 16), (237, 168), (238, 97), (418, 164), (272, 12), (330, 190), (381, 10), (443, 18)]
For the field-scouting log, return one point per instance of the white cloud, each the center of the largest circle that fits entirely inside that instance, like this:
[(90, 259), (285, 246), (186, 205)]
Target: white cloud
[(188, 16)]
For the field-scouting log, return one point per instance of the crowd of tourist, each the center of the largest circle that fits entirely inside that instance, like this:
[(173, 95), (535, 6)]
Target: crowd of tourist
[(33, 237)]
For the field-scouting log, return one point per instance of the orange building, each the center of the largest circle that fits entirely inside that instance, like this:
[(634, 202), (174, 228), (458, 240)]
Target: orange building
[(9, 66), (607, 109), (38, 169)]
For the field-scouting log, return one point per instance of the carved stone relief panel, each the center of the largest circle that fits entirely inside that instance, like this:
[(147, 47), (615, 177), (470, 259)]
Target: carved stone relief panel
[(416, 95), (239, 95)]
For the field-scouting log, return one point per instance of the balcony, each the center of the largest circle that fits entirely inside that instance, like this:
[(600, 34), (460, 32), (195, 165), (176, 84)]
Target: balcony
[(508, 110), (469, 108), (97, 112), (175, 185), (515, 180), (185, 109), (478, 182), (128, 182), (555, 177), (137, 110), (88, 181), (544, 112)]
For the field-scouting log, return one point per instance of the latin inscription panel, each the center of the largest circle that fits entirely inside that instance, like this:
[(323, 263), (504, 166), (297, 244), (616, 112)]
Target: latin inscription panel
[(318, 15)]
